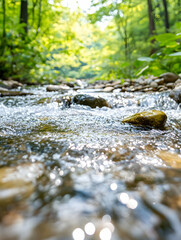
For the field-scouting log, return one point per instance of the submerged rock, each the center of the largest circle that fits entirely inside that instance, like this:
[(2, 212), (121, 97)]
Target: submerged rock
[(18, 181), (90, 101), (172, 159), (150, 118)]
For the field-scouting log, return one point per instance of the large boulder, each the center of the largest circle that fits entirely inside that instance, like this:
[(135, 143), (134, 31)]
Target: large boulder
[(90, 101), (169, 77), (150, 118)]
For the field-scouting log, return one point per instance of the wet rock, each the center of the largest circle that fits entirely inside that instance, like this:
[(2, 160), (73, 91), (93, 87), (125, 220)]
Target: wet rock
[(170, 85), (153, 85), (151, 118), (99, 86), (7, 93), (172, 159), (10, 84), (159, 81), (108, 89), (66, 101), (18, 181), (71, 85), (169, 77), (3, 89), (53, 88), (90, 101), (176, 95), (178, 84), (118, 82)]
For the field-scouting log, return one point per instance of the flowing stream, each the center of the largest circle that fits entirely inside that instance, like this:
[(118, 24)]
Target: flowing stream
[(93, 177)]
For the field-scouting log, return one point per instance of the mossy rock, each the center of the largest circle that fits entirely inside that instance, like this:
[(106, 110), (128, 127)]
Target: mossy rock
[(90, 101), (151, 118)]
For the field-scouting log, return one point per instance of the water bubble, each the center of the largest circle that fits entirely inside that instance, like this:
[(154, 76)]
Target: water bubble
[(78, 234), (90, 228)]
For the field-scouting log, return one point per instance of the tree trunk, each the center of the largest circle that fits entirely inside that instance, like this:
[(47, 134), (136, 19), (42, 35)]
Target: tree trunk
[(4, 19), (166, 21), (39, 17), (151, 18), (3, 41), (179, 10), (24, 15), (33, 10)]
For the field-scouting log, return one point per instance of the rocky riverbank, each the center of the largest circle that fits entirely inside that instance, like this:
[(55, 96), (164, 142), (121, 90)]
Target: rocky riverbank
[(165, 82)]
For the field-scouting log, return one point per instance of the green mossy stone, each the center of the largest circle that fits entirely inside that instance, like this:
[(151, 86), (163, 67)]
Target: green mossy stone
[(151, 118)]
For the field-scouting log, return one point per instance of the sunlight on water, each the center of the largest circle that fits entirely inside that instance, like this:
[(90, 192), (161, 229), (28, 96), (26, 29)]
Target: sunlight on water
[(105, 234), (90, 228), (78, 234), (98, 176)]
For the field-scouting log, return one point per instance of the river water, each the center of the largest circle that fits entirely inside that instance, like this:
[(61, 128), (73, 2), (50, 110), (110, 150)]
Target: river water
[(93, 177)]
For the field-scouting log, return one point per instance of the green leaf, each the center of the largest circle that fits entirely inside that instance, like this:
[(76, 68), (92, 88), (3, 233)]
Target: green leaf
[(175, 54), (145, 59)]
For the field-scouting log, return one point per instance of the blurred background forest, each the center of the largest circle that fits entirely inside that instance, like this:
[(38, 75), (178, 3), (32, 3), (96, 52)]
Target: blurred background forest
[(43, 41)]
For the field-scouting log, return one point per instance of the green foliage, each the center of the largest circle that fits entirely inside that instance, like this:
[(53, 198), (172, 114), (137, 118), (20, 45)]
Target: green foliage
[(167, 57), (112, 42)]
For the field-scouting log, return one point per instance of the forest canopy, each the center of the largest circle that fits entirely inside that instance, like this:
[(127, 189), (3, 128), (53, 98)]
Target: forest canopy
[(43, 41)]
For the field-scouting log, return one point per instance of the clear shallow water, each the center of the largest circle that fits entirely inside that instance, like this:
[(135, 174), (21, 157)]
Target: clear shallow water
[(101, 179)]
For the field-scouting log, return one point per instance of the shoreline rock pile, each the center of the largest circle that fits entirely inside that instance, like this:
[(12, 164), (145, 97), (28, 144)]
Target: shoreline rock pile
[(164, 82)]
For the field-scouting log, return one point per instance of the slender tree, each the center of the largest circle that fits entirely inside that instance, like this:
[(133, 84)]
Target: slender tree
[(33, 10), (179, 9), (3, 40), (4, 19), (151, 17), (24, 14), (166, 20), (39, 17)]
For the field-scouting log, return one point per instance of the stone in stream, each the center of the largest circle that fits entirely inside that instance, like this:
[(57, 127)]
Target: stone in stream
[(18, 181), (90, 101), (175, 94), (53, 88), (10, 84), (150, 118), (169, 77), (6, 93), (172, 159), (3, 89)]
